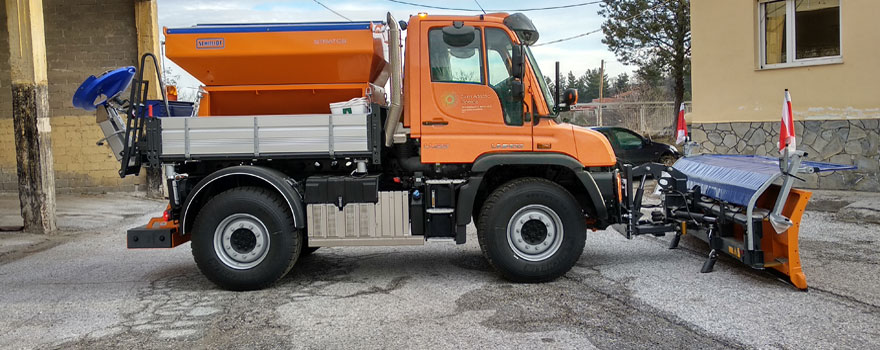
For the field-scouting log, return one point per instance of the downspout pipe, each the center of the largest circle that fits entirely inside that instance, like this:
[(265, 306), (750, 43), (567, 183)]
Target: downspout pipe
[(396, 109)]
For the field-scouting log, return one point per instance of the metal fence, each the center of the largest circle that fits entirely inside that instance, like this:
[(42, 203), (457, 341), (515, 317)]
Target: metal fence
[(647, 118)]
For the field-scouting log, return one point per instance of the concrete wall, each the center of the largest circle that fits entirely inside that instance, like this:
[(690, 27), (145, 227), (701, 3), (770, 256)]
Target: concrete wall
[(737, 105), (83, 37)]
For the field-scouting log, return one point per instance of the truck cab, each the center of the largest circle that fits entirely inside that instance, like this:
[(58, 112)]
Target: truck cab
[(264, 173), (474, 88)]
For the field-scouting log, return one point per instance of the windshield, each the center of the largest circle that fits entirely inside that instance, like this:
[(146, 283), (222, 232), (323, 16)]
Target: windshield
[(545, 90)]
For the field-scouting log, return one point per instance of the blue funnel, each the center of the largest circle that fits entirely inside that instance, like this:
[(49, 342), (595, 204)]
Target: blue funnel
[(94, 92)]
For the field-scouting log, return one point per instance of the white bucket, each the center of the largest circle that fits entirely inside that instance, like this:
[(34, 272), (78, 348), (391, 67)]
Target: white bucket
[(358, 105)]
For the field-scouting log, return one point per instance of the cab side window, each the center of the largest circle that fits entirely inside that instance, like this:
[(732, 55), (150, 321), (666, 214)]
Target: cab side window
[(499, 50), (455, 64)]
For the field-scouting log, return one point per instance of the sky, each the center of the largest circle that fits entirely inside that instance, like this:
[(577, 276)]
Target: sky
[(576, 55)]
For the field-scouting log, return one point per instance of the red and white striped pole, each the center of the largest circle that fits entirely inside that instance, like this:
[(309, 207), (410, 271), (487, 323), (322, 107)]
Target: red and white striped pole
[(681, 129), (786, 130)]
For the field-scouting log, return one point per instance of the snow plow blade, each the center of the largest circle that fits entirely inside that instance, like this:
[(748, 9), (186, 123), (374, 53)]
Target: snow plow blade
[(742, 206)]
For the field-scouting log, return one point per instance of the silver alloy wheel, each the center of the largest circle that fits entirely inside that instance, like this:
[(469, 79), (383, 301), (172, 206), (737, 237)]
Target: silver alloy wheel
[(534, 232), (241, 241)]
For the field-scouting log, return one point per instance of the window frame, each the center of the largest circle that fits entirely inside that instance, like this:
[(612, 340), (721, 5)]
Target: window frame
[(791, 43), (504, 112)]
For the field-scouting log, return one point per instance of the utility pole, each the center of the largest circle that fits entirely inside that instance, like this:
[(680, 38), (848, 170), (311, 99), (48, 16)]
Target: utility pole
[(30, 114), (601, 88)]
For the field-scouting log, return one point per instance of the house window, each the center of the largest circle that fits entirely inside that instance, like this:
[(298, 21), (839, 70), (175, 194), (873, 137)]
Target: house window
[(799, 32)]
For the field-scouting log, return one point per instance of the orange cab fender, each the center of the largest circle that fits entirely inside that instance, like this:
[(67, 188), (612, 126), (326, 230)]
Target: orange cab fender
[(468, 193), (245, 175)]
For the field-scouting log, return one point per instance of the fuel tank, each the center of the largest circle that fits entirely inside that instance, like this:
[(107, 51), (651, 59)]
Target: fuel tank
[(269, 68)]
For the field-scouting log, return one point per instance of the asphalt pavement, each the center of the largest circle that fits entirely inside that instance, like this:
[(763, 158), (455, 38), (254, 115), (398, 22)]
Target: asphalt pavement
[(82, 289)]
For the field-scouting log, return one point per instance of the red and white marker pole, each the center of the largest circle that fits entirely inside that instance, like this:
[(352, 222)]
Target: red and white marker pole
[(681, 129), (786, 130)]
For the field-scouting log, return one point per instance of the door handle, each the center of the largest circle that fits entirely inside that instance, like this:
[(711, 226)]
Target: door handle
[(435, 122)]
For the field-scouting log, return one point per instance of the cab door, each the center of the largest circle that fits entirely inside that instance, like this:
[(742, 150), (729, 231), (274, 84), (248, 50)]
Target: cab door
[(468, 108)]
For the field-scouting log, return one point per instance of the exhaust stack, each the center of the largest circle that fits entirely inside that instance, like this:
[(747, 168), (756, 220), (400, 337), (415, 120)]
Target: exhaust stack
[(393, 120)]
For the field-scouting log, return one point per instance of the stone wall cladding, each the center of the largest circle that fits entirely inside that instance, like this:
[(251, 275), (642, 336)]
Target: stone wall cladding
[(854, 141), (76, 47)]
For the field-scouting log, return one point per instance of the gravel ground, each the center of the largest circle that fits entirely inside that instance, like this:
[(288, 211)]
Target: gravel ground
[(84, 290)]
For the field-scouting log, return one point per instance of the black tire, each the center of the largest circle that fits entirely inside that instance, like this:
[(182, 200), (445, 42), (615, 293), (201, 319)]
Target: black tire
[(519, 197), (262, 218)]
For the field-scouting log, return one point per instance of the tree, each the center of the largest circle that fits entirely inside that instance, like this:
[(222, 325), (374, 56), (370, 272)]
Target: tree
[(571, 82), (650, 32), (590, 86), (649, 76), (620, 84)]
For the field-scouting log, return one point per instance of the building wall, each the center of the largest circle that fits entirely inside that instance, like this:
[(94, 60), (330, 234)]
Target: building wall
[(737, 106), (728, 86), (83, 37)]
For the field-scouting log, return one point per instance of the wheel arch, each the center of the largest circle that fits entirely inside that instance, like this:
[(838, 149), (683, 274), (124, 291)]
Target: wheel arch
[(238, 176), (493, 170)]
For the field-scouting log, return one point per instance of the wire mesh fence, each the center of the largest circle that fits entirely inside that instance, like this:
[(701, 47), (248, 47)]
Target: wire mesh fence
[(646, 118)]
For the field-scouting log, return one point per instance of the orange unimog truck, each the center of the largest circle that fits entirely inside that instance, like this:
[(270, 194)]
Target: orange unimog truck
[(295, 145), (267, 171)]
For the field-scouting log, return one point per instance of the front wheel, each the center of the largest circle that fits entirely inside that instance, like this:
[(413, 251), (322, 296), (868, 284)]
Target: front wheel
[(531, 230), (244, 239)]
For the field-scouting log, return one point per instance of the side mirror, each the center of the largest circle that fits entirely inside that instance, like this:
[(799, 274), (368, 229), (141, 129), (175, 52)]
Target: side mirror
[(517, 62), (569, 97)]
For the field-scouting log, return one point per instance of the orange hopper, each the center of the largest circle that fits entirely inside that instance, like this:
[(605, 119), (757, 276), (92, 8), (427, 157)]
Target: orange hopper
[(295, 68)]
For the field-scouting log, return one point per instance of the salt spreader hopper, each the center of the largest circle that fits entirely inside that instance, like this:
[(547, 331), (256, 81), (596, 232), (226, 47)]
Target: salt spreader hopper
[(281, 69)]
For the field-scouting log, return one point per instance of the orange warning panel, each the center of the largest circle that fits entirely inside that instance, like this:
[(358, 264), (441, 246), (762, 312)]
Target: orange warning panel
[(781, 252)]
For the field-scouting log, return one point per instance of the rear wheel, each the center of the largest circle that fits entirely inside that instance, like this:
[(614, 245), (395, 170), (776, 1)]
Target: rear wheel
[(244, 239), (531, 230)]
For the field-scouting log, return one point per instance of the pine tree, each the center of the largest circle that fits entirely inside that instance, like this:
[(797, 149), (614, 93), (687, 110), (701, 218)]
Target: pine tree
[(651, 33)]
